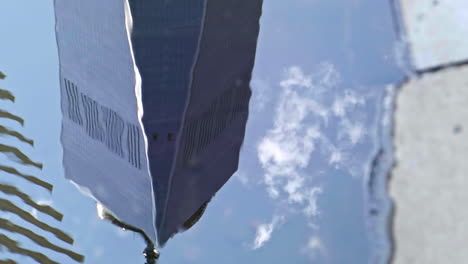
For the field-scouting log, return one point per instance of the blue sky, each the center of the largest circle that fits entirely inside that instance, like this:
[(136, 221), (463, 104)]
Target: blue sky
[(319, 80)]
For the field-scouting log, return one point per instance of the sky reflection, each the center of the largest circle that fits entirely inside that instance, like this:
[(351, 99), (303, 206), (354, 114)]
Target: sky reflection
[(321, 75)]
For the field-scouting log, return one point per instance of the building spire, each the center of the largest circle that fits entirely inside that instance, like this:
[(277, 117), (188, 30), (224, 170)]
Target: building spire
[(151, 253)]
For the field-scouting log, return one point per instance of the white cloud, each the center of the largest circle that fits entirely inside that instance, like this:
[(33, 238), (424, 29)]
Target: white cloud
[(242, 177), (34, 211), (264, 232), (349, 100), (335, 157), (314, 243), (312, 209), (313, 247), (296, 77), (45, 202), (293, 189), (260, 93), (327, 75), (284, 152), (353, 131), (316, 126)]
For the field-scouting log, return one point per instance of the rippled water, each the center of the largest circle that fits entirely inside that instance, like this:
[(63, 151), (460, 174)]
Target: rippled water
[(310, 187)]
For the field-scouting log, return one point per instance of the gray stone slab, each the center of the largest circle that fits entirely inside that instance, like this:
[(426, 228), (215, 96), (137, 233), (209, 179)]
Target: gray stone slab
[(429, 184), (437, 31)]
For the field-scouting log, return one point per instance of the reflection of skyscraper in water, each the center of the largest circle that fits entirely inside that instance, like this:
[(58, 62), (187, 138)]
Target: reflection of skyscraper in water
[(194, 58)]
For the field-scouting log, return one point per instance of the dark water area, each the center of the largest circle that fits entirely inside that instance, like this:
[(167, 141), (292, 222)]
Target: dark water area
[(311, 172)]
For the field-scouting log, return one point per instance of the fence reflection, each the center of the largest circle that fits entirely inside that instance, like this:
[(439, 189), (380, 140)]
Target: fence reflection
[(11, 190), (40, 240), (17, 156), (8, 115), (32, 179), (6, 131), (8, 261)]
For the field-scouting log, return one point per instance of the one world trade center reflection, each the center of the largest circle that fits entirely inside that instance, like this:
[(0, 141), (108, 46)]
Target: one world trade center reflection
[(155, 98)]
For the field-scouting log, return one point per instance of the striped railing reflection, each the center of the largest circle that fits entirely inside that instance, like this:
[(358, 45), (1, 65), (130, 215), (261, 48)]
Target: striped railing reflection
[(10, 208)]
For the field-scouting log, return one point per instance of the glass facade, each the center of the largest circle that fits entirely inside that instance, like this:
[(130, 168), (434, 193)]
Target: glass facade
[(102, 137), (194, 58), (217, 108), (165, 40)]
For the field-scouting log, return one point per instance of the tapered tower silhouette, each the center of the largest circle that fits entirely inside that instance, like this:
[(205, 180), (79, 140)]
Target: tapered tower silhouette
[(155, 98)]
